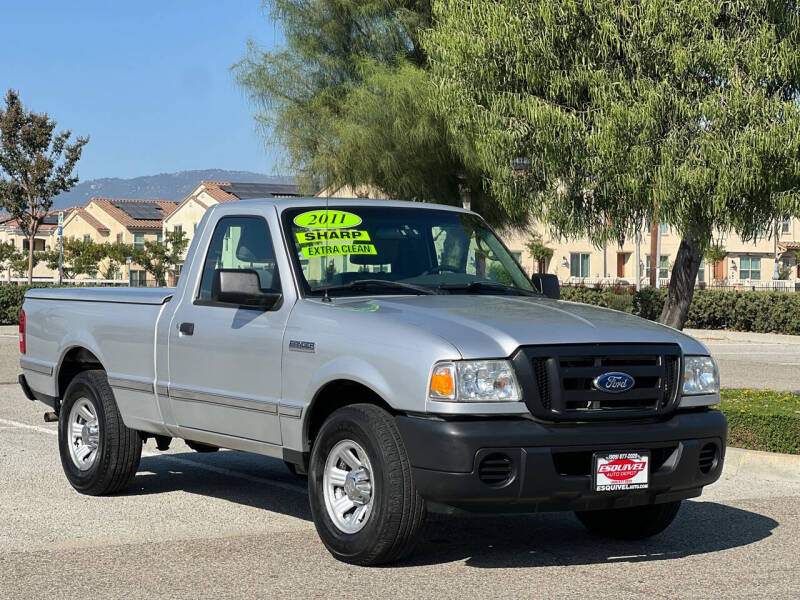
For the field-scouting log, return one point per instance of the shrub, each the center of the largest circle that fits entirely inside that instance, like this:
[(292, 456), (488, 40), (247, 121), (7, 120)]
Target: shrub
[(11, 297), (763, 312), (607, 298), (649, 302)]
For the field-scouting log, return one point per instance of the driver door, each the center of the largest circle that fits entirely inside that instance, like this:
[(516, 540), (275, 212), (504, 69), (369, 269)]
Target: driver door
[(225, 360)]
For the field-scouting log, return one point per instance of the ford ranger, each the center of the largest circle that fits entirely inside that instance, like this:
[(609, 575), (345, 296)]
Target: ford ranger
[(397, 355)]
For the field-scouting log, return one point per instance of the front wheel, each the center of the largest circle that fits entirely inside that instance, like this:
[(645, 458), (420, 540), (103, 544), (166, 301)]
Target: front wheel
[(634, 523), (99, 453), (363, 500)]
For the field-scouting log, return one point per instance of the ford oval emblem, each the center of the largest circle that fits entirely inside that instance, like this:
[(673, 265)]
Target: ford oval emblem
[(614, 383)]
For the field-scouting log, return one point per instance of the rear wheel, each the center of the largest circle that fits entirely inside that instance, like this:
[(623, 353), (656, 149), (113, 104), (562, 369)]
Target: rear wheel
[(363, 500), (634, 523), (99, 454)]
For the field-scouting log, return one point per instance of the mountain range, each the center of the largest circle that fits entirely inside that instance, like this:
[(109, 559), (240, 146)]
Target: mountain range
[(164, 186)]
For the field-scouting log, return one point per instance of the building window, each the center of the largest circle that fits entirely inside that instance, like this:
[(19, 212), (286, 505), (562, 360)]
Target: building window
[(194, 227), (119, 238), (138, 240), (38, 245), (750, 267), (159, 238), (177, 228), (785, 225), (663, 228), (87, 238), (701, 272), (138, 278), (663, 266), (579, 265)]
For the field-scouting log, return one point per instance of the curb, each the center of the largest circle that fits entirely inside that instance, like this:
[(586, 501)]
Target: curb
[(761, 465)]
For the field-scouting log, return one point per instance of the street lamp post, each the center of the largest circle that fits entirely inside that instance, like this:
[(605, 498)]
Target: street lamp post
[(128, 262), (60, 247)]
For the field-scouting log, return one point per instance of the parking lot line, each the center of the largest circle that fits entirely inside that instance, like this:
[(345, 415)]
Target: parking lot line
[(181, 461)]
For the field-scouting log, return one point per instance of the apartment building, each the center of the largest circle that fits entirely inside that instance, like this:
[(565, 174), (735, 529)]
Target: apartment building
[(191, 209), (46, 238), (750, 263)]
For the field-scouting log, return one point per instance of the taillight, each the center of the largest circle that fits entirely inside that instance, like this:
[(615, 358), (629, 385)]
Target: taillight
[(22, 332)]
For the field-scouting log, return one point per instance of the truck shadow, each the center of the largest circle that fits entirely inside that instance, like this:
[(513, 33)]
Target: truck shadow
[(558, 539), (483, 541)]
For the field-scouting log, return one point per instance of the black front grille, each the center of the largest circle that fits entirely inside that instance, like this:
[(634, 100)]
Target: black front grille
[(558, 381), (542, 380), (495, 469)]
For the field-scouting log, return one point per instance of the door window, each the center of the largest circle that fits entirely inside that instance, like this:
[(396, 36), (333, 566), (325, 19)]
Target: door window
[(240, 243)]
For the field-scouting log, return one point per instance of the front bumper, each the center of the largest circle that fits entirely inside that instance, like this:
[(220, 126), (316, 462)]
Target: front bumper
[(550, 465)]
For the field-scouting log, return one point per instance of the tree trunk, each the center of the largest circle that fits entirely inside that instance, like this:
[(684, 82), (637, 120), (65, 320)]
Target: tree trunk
[(655, 260), (30, 259), (681, 284)]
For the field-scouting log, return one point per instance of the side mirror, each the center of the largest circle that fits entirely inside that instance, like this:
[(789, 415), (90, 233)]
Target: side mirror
[(242, 287), (547, 284)]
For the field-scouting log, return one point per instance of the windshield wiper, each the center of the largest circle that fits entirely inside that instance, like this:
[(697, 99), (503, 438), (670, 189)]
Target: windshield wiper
[(367, 283), (479, 286)]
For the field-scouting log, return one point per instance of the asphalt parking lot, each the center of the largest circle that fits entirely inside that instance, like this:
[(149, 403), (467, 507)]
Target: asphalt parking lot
[(757, 361), (232, 525)]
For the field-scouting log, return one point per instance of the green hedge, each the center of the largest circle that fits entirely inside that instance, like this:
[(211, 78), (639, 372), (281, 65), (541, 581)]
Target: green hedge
[(762, 420), (764, 312), (776, 433), (11, 297)]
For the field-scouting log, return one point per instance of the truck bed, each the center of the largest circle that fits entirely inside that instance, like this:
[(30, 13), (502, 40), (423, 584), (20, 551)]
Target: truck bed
[(136, 295)]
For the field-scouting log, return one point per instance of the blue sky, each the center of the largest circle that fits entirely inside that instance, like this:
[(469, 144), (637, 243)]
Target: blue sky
[(148, 80)]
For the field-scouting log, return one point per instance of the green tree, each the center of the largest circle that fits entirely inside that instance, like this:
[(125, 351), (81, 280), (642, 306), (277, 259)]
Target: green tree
[(80, 258), (35, 164), (159, 257), (538, 249), (8, 253), (118, 255), (603, 117), (351, 100)]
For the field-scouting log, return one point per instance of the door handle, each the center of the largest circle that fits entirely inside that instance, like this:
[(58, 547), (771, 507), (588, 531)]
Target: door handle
[(186, 328)]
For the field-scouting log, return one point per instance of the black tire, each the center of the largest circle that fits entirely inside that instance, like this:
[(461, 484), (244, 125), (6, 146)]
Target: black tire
[(634, 523), (119, 448), (201, 447), (398, 511)]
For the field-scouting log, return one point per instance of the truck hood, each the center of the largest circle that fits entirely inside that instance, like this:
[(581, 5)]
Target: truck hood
[(485, 326)]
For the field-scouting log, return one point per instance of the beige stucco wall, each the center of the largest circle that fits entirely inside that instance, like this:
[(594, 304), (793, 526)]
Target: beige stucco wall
[(187, 216), (599, 268)]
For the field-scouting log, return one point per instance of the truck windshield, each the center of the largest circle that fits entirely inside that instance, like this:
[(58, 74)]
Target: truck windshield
[(356, 250)]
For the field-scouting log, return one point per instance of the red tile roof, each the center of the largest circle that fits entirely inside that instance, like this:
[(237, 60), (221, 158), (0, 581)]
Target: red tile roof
[(107, 204), (214, 189), (91, 220), (789, 245)]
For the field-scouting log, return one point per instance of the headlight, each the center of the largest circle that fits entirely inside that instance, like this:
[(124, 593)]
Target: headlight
[(700, 376), (474, 381)]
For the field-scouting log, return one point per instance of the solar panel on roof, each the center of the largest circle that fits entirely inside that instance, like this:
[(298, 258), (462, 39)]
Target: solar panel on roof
[(245, 191), (51, 219), (141, 211)]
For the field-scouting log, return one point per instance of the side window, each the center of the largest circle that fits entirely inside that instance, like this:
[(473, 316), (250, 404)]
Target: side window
[(240, 243)]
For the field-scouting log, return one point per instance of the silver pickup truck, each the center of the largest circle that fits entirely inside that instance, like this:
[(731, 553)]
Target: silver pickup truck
[(397, 355)]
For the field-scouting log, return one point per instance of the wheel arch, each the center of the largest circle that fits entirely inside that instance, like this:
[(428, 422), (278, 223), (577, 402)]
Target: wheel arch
[(334, 395), (74, 360)]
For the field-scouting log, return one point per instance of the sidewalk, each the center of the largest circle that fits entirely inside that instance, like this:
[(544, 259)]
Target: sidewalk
[(720, 335)]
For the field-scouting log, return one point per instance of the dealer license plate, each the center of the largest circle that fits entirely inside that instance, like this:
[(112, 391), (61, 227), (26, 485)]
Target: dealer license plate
[(619, 471)]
